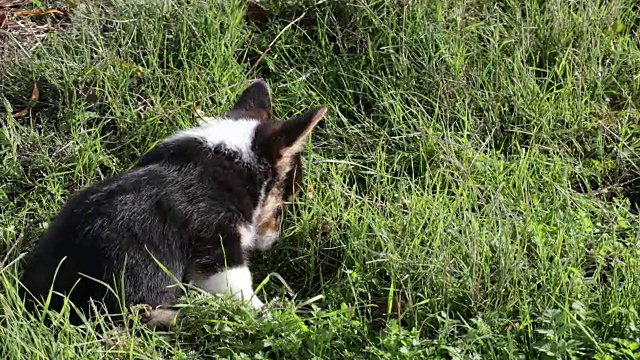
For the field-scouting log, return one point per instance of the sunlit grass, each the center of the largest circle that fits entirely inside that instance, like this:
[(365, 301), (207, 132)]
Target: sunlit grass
[(479, 161)]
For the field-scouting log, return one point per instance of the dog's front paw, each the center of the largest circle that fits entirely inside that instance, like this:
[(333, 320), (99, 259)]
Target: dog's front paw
[(158, 318), (257, 303)]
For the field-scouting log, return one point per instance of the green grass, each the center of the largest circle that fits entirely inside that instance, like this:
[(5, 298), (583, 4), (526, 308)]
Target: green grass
[(479, 159)]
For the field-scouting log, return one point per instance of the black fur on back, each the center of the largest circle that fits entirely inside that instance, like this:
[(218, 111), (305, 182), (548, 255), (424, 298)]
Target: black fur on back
[(182, 203)]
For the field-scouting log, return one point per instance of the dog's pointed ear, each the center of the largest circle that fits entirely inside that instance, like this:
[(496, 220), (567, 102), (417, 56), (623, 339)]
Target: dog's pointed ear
[(294, 132), (281, 142), (253, 103)]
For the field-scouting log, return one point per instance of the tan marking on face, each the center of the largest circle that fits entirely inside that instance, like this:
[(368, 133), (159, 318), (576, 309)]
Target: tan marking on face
[(267, 220), (269, 226), (267, 216)]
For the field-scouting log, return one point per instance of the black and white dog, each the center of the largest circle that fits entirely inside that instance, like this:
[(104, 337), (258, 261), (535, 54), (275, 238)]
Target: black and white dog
[(197, 204)]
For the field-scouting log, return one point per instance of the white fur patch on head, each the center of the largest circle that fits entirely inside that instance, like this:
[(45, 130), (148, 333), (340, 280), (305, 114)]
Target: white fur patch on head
[(232, 134)]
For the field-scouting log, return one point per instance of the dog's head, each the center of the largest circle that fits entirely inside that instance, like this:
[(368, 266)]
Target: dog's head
[(250, 128)]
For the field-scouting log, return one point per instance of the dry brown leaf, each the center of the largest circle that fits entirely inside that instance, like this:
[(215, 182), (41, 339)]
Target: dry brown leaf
[(21, 113), (381, 310), (255, 12), (4, 21), (36, 12), (35, 93)]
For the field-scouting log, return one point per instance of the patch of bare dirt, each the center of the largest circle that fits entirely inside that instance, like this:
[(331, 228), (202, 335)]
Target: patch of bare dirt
[(23, 27)]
